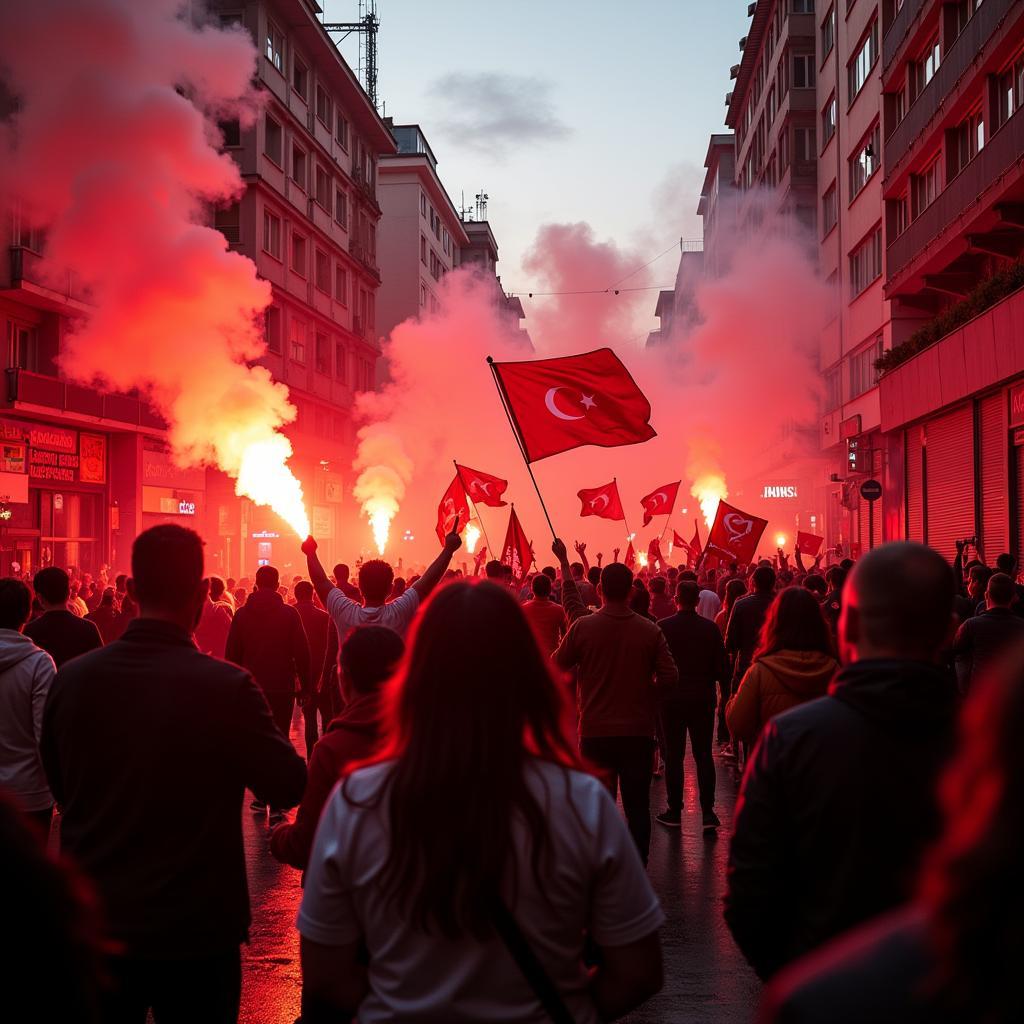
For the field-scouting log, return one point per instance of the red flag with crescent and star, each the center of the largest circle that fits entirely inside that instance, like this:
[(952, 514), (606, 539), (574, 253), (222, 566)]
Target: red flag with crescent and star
[(559, 404), (453, 504), (735, 534), (516, 552), (660, 502), (630, 561), (808, 543), (601, 501), (482, 488)]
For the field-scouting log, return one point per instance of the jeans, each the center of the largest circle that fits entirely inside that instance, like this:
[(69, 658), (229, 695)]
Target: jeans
[(725, 689), (321, 705), (698, 719), (207, 990), (626, 763)]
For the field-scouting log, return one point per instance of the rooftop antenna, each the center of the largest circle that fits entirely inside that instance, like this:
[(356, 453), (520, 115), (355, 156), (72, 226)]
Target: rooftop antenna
[(481, 205), (367, 27)]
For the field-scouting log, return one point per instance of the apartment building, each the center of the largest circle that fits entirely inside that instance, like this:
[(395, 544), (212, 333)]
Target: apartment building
[(481, 253), (717, 207)]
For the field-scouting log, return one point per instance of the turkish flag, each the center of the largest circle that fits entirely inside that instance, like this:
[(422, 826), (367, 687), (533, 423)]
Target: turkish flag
[(654, 559), (808, 543), (695, 545), (678, 542), (482, 488), (630, 562), (516, 551), (559, 404), (453, 504), (734, 534), (660, 502), (601, 501)]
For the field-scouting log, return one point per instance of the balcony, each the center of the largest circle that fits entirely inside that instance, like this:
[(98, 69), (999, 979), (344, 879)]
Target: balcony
[(962, 200), (955, 70), (359, 251), (39, 283), (899, 30), (26, 388)]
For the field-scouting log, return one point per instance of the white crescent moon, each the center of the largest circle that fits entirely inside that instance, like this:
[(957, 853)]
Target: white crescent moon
[(653, 503), (484, 487), (601, 497), (549, 401)]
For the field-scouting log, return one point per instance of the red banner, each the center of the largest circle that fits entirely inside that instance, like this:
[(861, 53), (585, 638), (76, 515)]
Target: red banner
[(516, 551), (482, 488), (735, 534), (660, 502), (601, 501), (630, 561), (808, 543), (453, 504)]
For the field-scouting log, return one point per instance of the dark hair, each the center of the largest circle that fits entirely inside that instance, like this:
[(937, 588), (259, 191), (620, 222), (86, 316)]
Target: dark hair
[(216, 587), (398, 587), (52, 584), (303, 591), (473, 703), (616, 581), (267, 578), (1001, 589), (688, 594), (120, 580), (734, 590), (836, 577), (369, 656), (640, 602), (494, 570), (594, 576), (687, 574), (794, 623), (341, 573), (107, 600), (815, 583), (657, 585), (1005, 563), (550, 572), (763, 579), (576, 568), (375, 579), (15, 603), (541, 585), (167, 566)]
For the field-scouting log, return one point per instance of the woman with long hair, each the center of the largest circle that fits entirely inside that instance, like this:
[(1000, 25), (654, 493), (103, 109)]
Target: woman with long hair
[(954, 954), (734, 590), (457, 876), (794, 662)]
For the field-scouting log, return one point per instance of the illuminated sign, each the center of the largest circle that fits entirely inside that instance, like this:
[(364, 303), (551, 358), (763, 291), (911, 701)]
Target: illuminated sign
[(779, 491), (265, 533), (186, 508)]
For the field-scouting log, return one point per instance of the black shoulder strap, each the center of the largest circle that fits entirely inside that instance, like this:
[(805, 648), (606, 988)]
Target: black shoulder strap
[(526, 960)]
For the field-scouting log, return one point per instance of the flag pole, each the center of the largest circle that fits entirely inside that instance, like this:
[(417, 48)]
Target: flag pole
[(476, 508), (625, 522), (519, 441)]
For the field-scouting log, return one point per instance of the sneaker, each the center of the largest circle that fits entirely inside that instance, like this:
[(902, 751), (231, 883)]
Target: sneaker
[(674, 819), (711, 821), (258, 805), (276, 816)]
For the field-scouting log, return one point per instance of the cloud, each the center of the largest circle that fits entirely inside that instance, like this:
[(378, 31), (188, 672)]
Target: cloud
[(494, 112)]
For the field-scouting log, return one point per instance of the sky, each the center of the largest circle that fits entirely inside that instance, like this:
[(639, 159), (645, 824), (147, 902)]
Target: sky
[(577, 110)]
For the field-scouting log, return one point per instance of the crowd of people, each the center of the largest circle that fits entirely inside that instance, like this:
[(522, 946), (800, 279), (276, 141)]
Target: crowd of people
[(468, 733)]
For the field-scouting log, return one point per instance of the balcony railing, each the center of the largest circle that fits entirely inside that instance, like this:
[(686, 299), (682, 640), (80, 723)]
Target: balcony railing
[(361, 252), (29, 267), (963, 196), (899, 30), (957, 60)]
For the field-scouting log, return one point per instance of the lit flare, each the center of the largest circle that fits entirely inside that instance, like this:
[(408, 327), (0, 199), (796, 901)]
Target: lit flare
[(709, 490), (472, 536), (264, 476)]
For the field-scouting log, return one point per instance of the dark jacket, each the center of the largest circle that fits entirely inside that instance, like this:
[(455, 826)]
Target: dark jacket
[(699, 654), (267, 638), (316, 625), (149, 746), (105, 619), (63, 635), (835, 808), (980, 641), (744, 630)]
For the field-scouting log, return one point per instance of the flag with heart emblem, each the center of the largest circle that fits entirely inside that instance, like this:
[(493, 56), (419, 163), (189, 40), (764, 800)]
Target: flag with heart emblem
[(660, 502), (516, 552), (453, 504), (559, 404), (808, 543), (601, 501), (482, 488), (735, 534)]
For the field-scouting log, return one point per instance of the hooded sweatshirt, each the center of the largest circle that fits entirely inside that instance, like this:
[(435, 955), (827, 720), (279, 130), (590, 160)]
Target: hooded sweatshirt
[(776, 683), (26, 673)]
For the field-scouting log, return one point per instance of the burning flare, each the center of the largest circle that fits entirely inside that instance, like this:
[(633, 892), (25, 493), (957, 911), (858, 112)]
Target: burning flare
[(472, 536), (709, 490), (264, 477)]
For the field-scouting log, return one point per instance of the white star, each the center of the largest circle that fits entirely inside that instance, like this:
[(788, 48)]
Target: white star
[(587, 401)]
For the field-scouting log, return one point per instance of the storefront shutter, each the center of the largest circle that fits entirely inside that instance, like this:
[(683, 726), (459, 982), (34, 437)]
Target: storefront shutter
[(949, 480), (915, 484), (1019, 457), (995, 511)]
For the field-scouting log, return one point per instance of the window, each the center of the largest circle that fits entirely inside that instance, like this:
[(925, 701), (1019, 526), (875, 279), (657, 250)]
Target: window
[(231, 132), (803, 6), (272, 140), (323, 188), (324, 106), (803, 71), (341, 130), (866, 262), (341, 207), (964, 11), (923, 69), (783, 151), (299, 253), (423, 250), (272, 328), (864, 162), (924, 187), (864, 60), (828, 120), (963, 143), (272, 234), (322, 271), (299, 167), (323, 353), (899, 215), (829, 210), (340, 362), (226, 221), (275, 46), (446, 241), (341, 284), (23, 346), (771, 109), (828, 32), (863, 375), (805, 146), (833, 388), (300, 77), (1010, 91), (423, 296), (297, 340), (423, 204)]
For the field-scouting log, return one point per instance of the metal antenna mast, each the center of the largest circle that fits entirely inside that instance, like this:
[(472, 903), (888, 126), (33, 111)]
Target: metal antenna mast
[(367, 27)]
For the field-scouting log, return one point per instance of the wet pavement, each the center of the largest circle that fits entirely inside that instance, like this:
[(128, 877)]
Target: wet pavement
[(706, 979)]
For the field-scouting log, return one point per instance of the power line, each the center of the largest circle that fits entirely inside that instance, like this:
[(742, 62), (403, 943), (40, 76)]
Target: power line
[(648, 263)]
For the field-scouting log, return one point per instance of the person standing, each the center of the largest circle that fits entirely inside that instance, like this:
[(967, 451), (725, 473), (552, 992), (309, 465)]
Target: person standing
[(316, 624), (662, 605), (546, 619), (622, 659), (26, 674), (148, 746), (105, 617), (61, 633), (689, 706), (981, 639), (215, 622)]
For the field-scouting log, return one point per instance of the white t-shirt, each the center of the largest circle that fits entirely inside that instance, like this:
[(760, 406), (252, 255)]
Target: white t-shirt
[(599, 884), (348, 614)]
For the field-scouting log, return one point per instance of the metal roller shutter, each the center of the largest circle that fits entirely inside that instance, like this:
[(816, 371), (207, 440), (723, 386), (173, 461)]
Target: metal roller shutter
[(995, 508), (949, 480), (1019, 459), (915, 484)]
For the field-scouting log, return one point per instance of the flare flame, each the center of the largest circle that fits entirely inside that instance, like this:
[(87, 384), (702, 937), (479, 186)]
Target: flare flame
[(472, 536), (265, 477), (709, 490)]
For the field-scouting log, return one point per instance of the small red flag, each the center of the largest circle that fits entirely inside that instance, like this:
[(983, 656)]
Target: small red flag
[(516, 551), (560, 404), (630, 562), (601, 501), (735, 534), (694, 545), (482, 488), (678, 542), (808, 543), (453, 504), (654, 559), (660, 502)]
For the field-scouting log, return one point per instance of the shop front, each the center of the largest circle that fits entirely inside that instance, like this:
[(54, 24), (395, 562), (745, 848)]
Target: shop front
[(170, 494)]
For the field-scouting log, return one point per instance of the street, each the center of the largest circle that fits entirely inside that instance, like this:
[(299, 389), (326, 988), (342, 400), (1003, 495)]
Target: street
[(706, 978)]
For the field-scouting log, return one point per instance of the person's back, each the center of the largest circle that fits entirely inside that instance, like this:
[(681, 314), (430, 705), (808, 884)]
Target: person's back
[(315, 623), (699, 654), (105, 617), (546, 619), (63, 634), (837, 801), (981, 639), (748, 614)]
